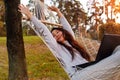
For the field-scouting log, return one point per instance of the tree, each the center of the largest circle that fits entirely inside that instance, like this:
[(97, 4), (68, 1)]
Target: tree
[(15, 44), (71, 9), (111, 4), (95, 10)]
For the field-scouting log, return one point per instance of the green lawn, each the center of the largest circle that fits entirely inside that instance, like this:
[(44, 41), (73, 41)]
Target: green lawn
[(41, 64)]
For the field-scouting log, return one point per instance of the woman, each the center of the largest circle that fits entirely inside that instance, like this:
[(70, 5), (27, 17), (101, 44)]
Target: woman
[(63, 45)]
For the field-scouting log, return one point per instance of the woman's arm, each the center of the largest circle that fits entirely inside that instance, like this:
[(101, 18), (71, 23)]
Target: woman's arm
[(66, 25), (63, 20), (55, 9), (40, 28)]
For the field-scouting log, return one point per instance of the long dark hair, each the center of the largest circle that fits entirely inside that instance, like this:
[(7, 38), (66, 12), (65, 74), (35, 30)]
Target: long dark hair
[(73, 43)]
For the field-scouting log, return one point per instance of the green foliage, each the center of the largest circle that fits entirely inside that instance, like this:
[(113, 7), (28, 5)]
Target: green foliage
[(111, 27), (41, 64)]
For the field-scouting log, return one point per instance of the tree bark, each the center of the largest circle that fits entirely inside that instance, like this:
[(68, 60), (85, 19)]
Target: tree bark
[(15, 44)]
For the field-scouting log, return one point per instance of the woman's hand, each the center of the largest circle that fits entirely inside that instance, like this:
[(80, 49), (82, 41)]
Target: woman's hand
[(23, 9), (55, 9)]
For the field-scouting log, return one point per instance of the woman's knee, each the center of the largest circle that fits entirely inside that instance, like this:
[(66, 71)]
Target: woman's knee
[(116, 49)]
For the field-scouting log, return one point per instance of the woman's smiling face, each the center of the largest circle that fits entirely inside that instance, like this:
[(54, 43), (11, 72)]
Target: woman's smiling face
[(58, 35)]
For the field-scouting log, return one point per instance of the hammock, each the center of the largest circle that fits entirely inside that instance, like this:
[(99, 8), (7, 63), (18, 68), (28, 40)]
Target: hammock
[(86, 42), (90, 45)]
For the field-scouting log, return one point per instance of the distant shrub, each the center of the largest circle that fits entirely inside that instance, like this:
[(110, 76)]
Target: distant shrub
[(110, 28)]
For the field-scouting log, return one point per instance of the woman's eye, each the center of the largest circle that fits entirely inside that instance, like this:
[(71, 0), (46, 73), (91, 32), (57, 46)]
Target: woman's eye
[(57, 32)]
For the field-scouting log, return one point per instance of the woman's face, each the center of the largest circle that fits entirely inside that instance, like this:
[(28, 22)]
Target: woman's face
[(58, 35)]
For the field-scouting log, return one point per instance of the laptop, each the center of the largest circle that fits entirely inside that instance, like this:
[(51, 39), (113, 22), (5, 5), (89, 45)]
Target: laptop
[(108, 44)]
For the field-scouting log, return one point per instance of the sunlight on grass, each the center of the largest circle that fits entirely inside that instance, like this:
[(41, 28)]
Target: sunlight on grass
[(32, 39), (2, 41), (3, 59)]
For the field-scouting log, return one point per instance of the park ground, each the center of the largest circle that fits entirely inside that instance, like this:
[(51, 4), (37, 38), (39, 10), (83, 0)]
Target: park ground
[(41, 64)]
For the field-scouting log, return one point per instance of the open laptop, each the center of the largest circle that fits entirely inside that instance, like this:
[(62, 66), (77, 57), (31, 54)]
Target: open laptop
[(108, 44)]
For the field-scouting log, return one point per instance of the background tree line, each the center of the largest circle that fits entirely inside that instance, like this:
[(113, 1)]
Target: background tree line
[(72, 10)]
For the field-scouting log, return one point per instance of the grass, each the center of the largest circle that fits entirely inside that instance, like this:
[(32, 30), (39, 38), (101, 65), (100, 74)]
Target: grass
[(41, 64)]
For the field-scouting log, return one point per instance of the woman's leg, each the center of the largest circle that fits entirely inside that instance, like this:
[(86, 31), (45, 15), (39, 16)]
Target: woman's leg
[(103, 70), (116, 49)]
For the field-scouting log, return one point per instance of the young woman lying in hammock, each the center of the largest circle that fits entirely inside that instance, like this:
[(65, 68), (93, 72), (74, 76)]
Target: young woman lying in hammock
[(61, 41)]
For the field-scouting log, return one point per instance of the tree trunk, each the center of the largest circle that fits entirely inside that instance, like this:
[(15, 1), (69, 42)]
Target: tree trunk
[(15, 44)]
